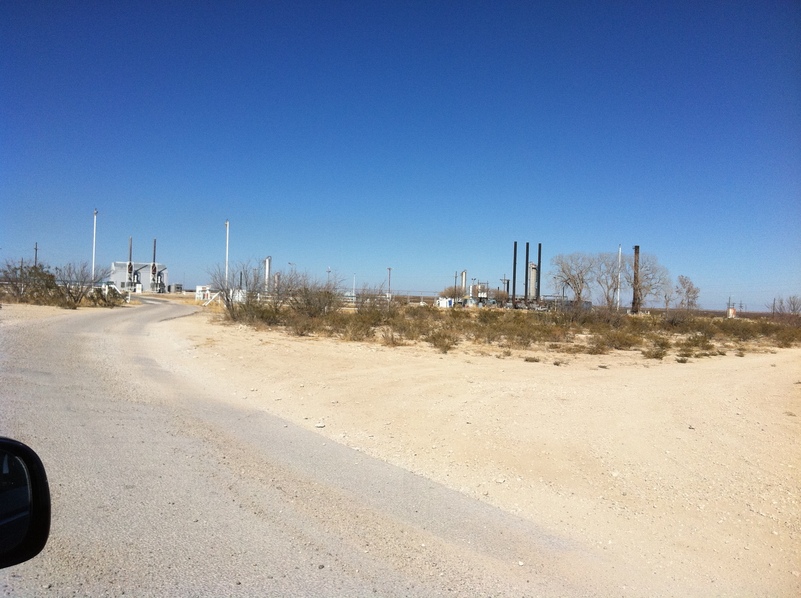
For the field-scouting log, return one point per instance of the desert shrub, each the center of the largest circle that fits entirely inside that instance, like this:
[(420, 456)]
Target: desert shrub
[(111, 298), (677, 321), (24, 283), (699, 341), (787, 336), (356, 328), (417, 322), (270, 314), (389, 337), (618, 339), (609, 318), (489, 317), (314, 300), (643, 324), (444, 339), (654, 353), (704, 327), (597, 346), (301, 324), (737, 328), (517, 329), (658, 349)]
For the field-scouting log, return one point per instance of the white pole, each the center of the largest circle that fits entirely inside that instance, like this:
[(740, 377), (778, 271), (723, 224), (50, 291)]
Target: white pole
[(226, 255), (619, 262), (94, 239)]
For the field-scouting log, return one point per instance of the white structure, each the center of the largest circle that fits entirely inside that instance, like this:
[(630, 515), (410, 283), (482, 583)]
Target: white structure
[(139, 276), (532, 281)]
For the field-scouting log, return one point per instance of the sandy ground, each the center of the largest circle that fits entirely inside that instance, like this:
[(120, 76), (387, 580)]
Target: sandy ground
[(679, 471)]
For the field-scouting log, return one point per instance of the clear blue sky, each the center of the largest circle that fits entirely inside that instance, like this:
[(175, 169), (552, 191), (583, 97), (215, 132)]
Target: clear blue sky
[(423, 136)]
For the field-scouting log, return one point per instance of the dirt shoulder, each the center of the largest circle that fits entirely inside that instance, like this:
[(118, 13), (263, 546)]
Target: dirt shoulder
[(677, 470)]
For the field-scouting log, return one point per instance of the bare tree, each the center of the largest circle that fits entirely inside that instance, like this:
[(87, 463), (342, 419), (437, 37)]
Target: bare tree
[(13, 276), (453, 292), (652, 276), (688, 293), (75, 281), (786, 307), (668, 293), (574, 272), (605, 275), (500, 296), (241, 292), (794, 305)]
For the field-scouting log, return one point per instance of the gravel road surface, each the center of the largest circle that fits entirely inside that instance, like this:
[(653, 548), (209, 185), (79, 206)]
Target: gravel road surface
[(161, 489)]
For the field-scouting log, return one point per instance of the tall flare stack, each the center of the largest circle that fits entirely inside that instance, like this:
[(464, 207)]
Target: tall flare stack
[(636, 302)]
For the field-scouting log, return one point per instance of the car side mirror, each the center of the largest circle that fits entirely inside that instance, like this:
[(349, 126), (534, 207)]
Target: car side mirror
[(24, 503)]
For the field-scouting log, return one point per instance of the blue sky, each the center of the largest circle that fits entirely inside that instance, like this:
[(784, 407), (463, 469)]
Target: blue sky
[(422, 136)]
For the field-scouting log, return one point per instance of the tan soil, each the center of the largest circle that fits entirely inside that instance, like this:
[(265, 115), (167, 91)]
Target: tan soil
[(678, 471)]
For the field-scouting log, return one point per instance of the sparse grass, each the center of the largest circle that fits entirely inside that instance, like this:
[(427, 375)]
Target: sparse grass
[(595, 333)]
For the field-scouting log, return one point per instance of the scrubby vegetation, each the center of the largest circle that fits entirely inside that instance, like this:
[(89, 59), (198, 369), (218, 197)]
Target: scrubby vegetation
[(314, 309), (68, 286)]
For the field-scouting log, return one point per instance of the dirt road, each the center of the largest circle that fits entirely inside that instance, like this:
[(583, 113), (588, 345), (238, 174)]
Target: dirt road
[(197, 459), (160, 488)]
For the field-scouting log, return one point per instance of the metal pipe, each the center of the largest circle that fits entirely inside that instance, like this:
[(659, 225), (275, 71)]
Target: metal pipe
[(226, 254), (514, 276), (525, 294), (129, 278), (153, 270), (94, 239)]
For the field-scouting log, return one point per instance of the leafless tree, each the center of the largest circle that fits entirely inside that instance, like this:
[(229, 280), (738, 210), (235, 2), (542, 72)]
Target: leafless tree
[(452, 292), (652, 276), (668, 293), (574, 272), (688, 293), (500, 296), (241, 292), (790, 307), (75, 281), (794, 305), (605, 275)]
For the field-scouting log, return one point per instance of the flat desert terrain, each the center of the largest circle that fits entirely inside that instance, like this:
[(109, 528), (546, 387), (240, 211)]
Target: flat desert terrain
[(687, 472)]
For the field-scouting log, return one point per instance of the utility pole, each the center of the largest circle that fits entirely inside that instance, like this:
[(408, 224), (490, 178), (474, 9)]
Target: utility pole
[(35, 254)]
